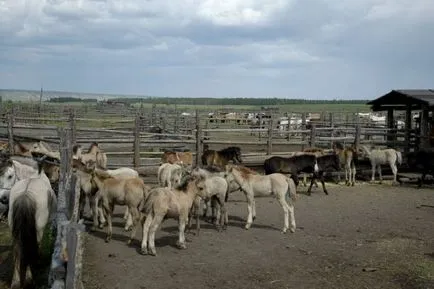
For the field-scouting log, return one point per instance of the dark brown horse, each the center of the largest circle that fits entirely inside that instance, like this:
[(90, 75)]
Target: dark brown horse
[(222, 157)]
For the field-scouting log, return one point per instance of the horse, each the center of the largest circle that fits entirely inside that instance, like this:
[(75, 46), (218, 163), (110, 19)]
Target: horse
[(170, 175), (182, 158), (298, 163), (32, 203), (44, 148), (348, 157), (324, 163), (163, 203), (94, 153), (216, 191), (113, 191), (379, 157), (89, 188), (255, 185), (222, 157)]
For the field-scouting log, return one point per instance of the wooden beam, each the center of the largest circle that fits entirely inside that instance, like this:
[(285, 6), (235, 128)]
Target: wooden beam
[(390, 123), (424, 133), (407, 128)]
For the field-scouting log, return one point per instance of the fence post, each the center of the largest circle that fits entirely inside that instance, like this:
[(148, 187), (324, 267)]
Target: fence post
[(288, 137), (198, 140), (11, 132), (136, 161), (303, 127), (270, 137), (57, 270), (72, 125), (312, 136), (357, 136), (260, 126), (332, 125)]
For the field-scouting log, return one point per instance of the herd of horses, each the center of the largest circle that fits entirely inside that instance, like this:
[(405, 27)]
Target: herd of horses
[(28, 177)]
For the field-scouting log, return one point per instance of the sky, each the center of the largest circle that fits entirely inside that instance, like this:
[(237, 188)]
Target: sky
[(313, 49)]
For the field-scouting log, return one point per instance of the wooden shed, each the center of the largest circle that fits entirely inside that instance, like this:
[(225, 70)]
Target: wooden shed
[(409, 100)]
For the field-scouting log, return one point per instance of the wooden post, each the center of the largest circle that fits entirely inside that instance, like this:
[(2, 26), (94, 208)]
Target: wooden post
[(312, 136), (288, 137), (424, 133), (303, 127), (270, 137), (260, 126), (332, 132), (11, 132), (390, 136), (357, 136), (407, 129), (72, 125), (175, 125), (136, 146), (198, 140)]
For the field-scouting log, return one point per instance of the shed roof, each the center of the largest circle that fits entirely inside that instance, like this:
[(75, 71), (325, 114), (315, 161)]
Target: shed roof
[(401, 98)]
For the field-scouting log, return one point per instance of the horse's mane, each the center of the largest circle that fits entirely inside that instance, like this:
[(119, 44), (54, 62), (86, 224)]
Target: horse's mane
[(245, 171), (185, 181), (213, 169), (5, 162), (75, 148), (230, 150), (93, 144), (339, 145)]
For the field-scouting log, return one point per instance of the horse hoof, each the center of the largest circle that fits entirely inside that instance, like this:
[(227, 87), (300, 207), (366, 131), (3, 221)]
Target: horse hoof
[(108, 239), (247, 227), (153, 253), (292, 230), (254, 218), (353, 184), (144, 251), (181, 246), (283, 231), (325, 192), (129, 242), (127, 229), (101, 226)]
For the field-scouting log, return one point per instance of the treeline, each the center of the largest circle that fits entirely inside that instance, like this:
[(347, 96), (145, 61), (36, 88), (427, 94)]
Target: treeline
[(71, 99), (233, 101)]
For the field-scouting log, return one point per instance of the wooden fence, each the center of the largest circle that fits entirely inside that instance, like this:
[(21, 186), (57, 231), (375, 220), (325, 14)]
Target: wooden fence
[(66, 265), (134, 144)]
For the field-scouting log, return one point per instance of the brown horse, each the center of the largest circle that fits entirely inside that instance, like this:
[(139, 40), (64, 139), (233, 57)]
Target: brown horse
[(348, 158), (222, 157), (182, 158)]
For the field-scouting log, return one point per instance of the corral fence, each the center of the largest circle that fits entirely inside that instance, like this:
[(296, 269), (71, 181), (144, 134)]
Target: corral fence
[(132, 141), (66, 265)]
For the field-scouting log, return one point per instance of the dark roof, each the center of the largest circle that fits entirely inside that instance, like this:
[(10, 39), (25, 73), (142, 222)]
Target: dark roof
[(401, 98)]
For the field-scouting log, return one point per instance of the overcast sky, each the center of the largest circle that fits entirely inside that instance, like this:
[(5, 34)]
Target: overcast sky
[(316, 49)]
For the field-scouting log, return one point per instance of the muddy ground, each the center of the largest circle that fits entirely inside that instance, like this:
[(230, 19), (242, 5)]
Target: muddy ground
[(368, 236)]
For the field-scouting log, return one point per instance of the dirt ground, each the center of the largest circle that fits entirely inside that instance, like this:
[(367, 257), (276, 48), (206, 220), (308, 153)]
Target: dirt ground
[(368, 236)]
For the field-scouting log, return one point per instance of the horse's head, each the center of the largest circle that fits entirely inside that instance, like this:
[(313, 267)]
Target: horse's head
[(8, 175)]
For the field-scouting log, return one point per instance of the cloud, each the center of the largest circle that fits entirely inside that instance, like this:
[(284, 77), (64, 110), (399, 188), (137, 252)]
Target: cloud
[(250, 48)]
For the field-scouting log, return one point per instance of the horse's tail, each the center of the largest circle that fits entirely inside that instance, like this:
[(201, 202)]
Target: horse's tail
[(24, 233), (398, 157), (292, 189)]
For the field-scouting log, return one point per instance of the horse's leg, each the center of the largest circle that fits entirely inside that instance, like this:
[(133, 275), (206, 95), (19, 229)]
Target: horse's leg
[(253, 209), (321, 178), (129, 222), (380, 175), (108, 210), (181, 228), (395, 173), (135, 216), (145, 234), (347, 174), (93, 202), (421, 180), (82, 204), (223, 214), (154, 226), (311, 184), (353, 168), (373, 172), (250, 200), (126, 214), (284, 205), (214, 211), (16, 276), (305, 180)]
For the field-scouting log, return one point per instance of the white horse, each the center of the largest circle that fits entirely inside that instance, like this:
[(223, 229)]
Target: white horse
[(216, 190), (256, 185), (170, 175), (32, 203), (380, 157)]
